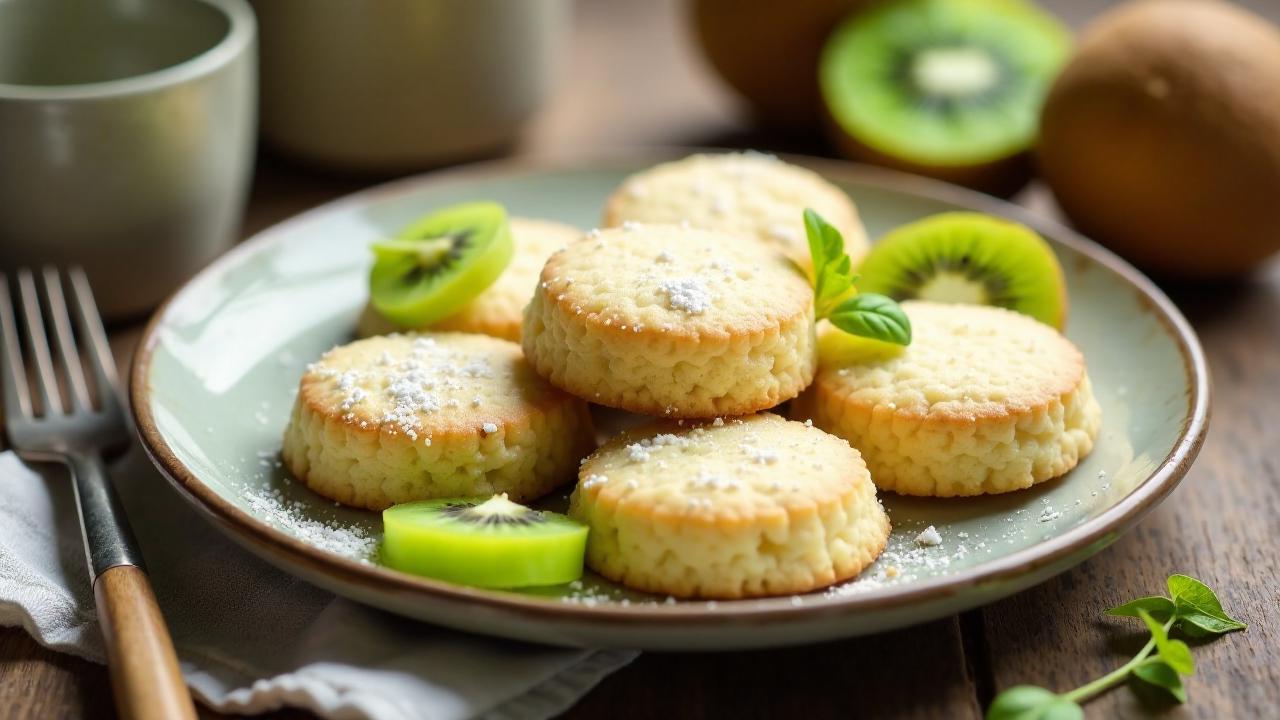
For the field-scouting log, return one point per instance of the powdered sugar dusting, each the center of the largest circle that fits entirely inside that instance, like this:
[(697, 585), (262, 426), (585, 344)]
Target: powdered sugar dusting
[(350, 542), (689, 295)]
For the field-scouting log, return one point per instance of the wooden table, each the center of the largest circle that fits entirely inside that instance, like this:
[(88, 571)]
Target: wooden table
[(633, 79)]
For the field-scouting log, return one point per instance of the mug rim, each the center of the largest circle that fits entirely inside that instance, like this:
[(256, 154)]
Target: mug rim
[(242, 26)]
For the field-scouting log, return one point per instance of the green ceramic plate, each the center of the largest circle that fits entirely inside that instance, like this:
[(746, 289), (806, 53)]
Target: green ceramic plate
[(215, 377)]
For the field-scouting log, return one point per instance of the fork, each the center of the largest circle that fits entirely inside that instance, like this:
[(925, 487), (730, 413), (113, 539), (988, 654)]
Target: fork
[(144, 669)]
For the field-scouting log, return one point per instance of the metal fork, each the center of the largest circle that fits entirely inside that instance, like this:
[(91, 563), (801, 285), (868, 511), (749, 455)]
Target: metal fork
[(144, 668)]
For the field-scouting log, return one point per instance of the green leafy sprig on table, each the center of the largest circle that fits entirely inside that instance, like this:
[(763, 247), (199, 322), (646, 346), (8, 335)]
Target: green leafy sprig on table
[(1193, 609), (834, 297)]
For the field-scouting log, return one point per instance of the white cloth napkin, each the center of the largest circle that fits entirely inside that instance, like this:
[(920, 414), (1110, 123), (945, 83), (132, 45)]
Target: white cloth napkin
[(251, 638)]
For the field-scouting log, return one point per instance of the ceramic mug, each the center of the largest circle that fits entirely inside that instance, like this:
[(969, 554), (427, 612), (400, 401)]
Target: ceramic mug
[(398, 85), (127, 132)]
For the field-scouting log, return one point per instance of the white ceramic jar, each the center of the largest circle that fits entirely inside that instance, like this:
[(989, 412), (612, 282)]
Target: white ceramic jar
[(397, 85)]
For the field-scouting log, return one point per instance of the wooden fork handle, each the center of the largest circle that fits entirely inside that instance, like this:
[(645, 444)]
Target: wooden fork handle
[(144, 668)]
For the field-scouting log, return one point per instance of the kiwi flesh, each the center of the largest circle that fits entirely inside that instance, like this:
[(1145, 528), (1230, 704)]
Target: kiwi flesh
[(439, 263), (946, 88), (483, 542), (972, 258)]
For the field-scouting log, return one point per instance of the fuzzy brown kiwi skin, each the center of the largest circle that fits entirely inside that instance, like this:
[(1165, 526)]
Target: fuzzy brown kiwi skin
[(1001, 177), (768, 51), (1161, 137)]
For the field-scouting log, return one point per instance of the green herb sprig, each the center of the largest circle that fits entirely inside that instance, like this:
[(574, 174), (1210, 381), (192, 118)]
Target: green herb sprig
[(1193, 609), (834, 296)]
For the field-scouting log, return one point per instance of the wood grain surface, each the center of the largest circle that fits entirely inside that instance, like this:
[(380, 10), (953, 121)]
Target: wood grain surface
[(633, 79)]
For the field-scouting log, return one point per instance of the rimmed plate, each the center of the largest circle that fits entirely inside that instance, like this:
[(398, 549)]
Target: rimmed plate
[(213, 383)]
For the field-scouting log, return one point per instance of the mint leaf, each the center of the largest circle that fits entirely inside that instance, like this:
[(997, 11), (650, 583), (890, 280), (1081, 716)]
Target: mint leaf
[(831, 266), (1162, 676), (1198, 609), (1158, 607), (879, 318), (1173, 653), (873, 316), (1027, 702)]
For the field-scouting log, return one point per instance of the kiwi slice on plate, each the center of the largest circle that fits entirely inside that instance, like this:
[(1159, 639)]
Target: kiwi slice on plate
[(947, 88), (440, 263), (484, 542), (966, 257)]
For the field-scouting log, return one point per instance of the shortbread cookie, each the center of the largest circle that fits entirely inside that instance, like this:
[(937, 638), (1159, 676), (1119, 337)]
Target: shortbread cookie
[(498, 311), (742, 194), (984, 400), (732, 508), (664, 320), (391, 419)]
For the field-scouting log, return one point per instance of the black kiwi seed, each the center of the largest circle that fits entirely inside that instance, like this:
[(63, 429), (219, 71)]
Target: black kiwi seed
[(458, 244)]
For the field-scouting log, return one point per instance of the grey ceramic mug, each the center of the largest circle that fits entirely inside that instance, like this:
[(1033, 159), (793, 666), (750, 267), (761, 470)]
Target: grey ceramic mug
[(127, 133)]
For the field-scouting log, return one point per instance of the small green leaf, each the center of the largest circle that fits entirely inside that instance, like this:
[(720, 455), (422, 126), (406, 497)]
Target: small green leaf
[(1161, 675), (1027, 702), (1178, 656), (826, 248), (1174, 653), (1198, 609), (1160, 608), (873, 316)]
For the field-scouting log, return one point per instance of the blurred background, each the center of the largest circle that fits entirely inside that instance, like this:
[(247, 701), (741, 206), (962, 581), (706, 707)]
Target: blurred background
[(170, 129)]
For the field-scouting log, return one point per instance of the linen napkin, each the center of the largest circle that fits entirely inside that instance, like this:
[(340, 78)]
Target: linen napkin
[(251, 638)]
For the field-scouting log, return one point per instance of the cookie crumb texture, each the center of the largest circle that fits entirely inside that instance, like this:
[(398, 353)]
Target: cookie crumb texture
[(671, 321), (984, 400), (746, 194), (755, 506), (392, 419)]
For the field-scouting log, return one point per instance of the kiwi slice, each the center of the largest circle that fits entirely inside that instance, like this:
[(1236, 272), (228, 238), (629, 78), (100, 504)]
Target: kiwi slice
[(492, 543), (964, 257), (942, 83), (439, 263)]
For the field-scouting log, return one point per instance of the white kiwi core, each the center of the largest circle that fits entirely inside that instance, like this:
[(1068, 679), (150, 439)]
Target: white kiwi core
[(499, 505), (954, 71), (954, 288)]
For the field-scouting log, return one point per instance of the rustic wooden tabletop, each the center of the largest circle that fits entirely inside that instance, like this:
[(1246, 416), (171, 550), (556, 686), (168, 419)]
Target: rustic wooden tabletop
[(634, 79)]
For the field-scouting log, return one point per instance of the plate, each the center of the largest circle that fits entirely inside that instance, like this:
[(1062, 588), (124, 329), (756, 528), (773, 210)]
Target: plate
[(215, 376)]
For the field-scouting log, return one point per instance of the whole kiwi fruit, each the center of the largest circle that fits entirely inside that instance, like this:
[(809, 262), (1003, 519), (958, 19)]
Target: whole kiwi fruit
[(767, 50), (1161, 137)]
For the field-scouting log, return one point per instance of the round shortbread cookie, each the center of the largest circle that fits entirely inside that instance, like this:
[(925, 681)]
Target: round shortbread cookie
[(499, 310), (664, 320), (743, 194), (733, 508), (984, 400), (391, 419)]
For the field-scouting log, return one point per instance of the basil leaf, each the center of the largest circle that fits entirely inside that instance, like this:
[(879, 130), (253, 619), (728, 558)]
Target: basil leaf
[(1160, 608), (1198, 609), (1027, 702), (1162, 676), (873, 316)]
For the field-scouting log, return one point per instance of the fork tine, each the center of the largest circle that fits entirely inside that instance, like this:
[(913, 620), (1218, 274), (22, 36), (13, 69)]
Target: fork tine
[(66, 341), (17, 404), (50, 398), (95, 336)]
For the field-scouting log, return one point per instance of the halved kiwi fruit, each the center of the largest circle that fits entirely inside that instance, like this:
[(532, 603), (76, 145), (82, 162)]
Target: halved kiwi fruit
[(439, 263), (947, 88), (483, 542), (969, 258)]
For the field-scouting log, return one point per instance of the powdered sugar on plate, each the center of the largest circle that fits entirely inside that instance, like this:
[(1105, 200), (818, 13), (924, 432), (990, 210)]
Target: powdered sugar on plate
[(292, 516)]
